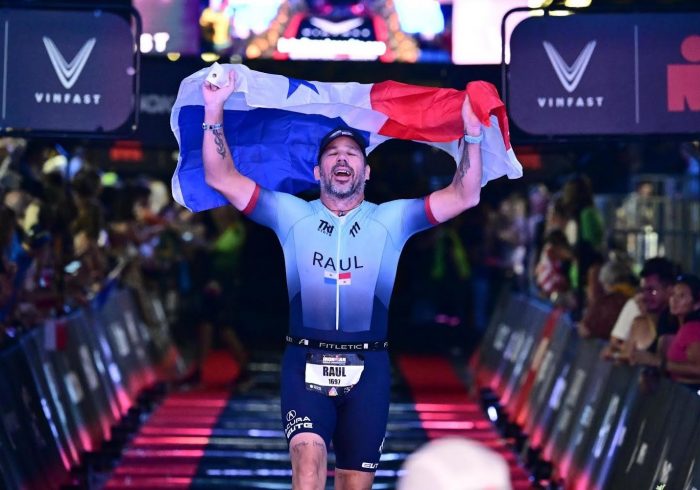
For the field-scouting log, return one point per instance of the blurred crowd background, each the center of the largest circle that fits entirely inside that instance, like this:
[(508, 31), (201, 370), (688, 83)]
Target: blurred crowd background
[(72, 224)]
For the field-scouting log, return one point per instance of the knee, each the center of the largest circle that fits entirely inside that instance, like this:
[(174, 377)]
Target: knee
[(308, 456), (308, 476), (309, 465)]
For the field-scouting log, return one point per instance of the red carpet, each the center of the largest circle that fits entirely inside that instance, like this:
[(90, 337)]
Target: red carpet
[(167, 451), (441, 396), (219, 369)]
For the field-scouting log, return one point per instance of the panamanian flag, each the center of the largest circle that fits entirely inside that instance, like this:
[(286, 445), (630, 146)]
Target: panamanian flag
[(274, 124), (340, 278)]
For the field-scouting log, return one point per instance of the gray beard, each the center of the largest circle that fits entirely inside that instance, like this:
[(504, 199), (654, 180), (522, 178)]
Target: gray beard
[(356, 188)]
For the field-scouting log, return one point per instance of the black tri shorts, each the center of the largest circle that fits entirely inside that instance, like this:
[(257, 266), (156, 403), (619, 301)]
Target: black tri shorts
[(355, 422)]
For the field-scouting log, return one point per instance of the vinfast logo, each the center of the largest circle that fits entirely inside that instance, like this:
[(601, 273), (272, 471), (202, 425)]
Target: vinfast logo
[(336, 28), (570, 77), (68, 72)]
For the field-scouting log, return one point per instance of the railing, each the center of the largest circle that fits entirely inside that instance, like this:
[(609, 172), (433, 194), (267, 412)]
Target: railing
[(580, 422), (67, 385), (646, 227)]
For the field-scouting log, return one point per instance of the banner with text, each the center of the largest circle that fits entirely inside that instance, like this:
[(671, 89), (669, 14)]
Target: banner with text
[(67, 71), (606, 74)]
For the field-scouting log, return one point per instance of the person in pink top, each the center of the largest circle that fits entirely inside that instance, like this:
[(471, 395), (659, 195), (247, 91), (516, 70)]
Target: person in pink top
[(679, 354), (682, 360)]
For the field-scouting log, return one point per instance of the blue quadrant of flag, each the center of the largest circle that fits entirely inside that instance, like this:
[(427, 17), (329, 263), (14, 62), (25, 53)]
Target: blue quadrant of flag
[(284, 162)]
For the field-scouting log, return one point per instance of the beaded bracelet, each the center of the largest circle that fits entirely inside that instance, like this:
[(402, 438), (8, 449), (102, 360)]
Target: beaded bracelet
[(212, 127)]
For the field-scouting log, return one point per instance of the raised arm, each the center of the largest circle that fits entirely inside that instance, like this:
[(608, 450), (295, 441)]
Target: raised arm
[(220, 171), (464, 190)]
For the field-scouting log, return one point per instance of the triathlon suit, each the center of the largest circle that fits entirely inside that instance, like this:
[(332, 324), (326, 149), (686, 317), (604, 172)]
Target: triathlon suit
[(340, 274)]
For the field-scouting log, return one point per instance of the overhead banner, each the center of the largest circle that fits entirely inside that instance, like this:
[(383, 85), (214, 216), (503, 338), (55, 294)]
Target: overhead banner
[(606, 74), (67, 71)]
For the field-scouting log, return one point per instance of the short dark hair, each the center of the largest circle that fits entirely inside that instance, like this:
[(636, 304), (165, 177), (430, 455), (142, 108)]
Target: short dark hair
[(351, 133), (661, 267), (693, 283)]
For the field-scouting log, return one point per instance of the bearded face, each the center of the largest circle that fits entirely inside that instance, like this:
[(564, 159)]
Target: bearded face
[(342, 171)]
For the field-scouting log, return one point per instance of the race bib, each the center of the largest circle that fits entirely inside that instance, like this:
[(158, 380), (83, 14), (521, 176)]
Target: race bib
[(333, 374)]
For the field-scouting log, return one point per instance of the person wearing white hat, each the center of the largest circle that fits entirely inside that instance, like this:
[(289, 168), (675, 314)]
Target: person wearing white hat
[(454, 463)]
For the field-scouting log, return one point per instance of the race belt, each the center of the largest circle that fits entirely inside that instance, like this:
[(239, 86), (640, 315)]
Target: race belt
[(338, 346)]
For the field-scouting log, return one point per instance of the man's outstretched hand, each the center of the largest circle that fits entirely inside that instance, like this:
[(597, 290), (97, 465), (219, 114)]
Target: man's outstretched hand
[(214, 97), (472, 125)]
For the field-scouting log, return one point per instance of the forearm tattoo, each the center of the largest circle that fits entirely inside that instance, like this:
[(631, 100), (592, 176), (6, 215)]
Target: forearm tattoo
[(462, 167), (219, 141)]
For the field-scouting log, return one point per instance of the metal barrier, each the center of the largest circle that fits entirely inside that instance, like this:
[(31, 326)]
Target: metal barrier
[(581, 421), (649, 226), (61, 401)]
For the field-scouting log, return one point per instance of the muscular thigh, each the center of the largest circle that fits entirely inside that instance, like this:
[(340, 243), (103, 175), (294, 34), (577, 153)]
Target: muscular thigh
[(303, 411), (362, 417)]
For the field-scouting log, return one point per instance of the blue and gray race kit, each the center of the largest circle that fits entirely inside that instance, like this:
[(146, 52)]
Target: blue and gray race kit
[(340, 275)]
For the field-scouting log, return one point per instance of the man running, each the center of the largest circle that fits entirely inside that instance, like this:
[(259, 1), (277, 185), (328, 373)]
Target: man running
[(341, 254)]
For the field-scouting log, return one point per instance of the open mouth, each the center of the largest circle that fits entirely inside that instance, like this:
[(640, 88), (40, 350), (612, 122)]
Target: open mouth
[(343, 172)]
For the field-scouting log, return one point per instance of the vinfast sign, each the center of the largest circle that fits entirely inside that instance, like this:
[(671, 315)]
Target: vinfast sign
[(66, 71), (606, 74)]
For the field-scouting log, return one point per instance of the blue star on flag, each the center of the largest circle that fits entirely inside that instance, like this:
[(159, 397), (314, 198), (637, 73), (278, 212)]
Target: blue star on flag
[(295, 83)]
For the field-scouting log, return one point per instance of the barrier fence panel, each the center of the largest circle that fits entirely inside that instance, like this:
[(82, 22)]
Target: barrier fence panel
[(109, 369), (10, 469), (516, 325), (690, 471), (555, 376), (621, 389), (532, 321), (62, 390), (55, 395), (641, 436), (138, 335), (121, 336), (530, 382), (31, 436), (60, 372), (578, 381), (486, 358), (676, 444), (587, 417), (159, 330), (94, 365), (602, 425), (494, 358), (477, 361), (553, 350), (84, 375), (79, 391), (18, 445)]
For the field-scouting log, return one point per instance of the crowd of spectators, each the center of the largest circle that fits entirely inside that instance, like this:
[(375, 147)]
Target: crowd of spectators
[(648, 317), (65, 231), (557, 242), (70, 231)]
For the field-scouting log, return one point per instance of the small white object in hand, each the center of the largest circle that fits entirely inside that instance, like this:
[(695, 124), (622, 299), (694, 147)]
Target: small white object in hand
[(217, 75)]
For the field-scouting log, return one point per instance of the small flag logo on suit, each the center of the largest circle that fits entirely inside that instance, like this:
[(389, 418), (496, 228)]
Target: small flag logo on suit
[(342, 279)]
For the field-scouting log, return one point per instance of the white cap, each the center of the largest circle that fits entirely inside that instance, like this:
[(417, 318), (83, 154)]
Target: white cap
[(455, 463)]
